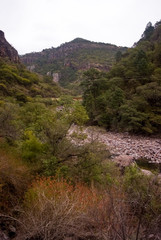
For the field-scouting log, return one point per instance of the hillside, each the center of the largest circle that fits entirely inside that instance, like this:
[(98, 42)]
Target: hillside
[(60, 182), (128, 98), (19, 83), (67, 62), (6, 50)]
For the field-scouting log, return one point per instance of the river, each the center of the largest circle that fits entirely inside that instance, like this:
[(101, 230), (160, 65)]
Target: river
[(135, 146)]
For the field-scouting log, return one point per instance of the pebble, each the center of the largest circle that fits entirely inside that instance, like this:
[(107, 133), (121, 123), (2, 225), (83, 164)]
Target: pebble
[(135, 146)]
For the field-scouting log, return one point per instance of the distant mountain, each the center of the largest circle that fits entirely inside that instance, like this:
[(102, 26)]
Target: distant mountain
[(6, 50), (66, 63)]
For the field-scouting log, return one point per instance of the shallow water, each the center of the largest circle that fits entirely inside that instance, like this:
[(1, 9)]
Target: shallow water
[(146, 164)]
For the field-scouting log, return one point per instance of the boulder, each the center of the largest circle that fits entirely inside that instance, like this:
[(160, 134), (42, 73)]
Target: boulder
[(123, 160)]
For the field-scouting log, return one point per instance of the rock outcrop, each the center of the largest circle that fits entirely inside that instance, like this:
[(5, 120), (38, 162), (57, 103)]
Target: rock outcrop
[(71, 58), (6, 50)]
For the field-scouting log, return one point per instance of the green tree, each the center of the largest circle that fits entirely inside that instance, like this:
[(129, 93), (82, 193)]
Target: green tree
[(93, 85), (118, 56), (148, 31), (9, 121), (79, 114), (143, 193), (32, 148)]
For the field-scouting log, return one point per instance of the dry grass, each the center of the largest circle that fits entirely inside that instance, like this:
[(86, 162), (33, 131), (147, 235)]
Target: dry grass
[(14, 178), (57, 210), (52, 208)]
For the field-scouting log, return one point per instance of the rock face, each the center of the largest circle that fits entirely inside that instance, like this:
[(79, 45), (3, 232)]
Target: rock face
[(71, 58), (6, 50), (56, 77)]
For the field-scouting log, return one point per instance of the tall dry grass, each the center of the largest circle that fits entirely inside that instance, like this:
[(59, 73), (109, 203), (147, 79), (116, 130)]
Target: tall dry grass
[(58, 210)]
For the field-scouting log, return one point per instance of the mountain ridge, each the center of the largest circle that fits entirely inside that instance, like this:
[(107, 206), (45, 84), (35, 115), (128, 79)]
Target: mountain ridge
[(71, 58)]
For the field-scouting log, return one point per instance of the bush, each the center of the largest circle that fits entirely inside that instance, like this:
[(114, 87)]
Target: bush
[(3, 88), (32, 148), (9, 123), (14, 178), (55, 209), (79, 114), (21, 97), (143, 194), (52, 209)]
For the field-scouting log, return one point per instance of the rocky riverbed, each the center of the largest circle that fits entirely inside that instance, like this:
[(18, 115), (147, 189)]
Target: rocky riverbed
[(133, 146)]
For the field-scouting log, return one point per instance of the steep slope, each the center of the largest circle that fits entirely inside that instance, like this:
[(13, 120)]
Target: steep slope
[(6, 50), (66, 62), (19, 83), (128, 98)]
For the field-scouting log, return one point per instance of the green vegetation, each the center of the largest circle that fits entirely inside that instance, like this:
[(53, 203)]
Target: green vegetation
[(17, 82), (50, 186), (71, 59), (56, 185), (145, 164), (128, 98)]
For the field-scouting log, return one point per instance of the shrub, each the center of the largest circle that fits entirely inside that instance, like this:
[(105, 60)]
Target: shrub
[(79, 114), (52, 209), (9, 127), (143, 195), (14, 178), (21, 97), (3, 88), (32, 148), (55, 209)]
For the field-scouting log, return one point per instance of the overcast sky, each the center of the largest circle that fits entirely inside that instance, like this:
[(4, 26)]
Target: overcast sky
[(33, 25)]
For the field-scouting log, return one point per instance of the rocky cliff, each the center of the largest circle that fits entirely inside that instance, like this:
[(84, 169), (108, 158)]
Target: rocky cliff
[(6, 50), (17, 83), (71, 58)]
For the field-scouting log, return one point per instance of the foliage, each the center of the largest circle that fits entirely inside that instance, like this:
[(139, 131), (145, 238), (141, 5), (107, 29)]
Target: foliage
[(40, 134), (52, 209), (9, 128), (14, 179), (71, 59), (16, 81), (128, 97), (148, 31), (144, 194), (78, 114), (32, 148), (35, 142)]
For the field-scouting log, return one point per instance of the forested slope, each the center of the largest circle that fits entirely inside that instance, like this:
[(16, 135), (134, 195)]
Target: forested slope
[(71, 59), (56, 186), (128, 98)]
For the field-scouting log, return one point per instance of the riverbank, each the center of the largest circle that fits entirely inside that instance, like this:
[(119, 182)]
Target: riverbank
[(123, 143)]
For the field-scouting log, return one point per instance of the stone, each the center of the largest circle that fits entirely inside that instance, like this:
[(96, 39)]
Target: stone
[(146, 172), (6, 50), (123, 160), (136, 147), (56, 77)]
